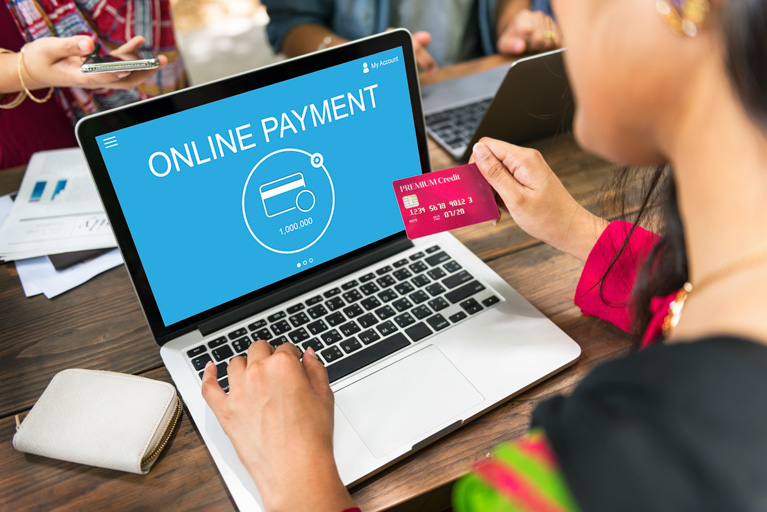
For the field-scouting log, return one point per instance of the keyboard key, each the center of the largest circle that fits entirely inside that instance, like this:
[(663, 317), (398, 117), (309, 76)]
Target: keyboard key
[(241, 345), (217, 342), (367, 320), (385, 281), (314, 343), (436, 273), (456, 279), (369, 336), (368, 355), (402, 274), (385, 312), (200, 362), (452, 266), (436, 259), (432, 249), (262, 334), (276, 316), (491, 300), (299, 319), (419, 297), (349, 329), (276, 342), (258, 324), (421, 280), (437, 322), (353, 310), (222, 353), (416, 256), (317, 327), (351, 345), (335, 319), (349, 285), (352, 296), (418, 332), (317, 311), (404, 319), (221, 370), (295, 308), (438, 304), (335, 303), (387, 295), (404, 288), (418, 267), (402, 304), (367, 277), (224, 383), (370, 303), (332, 292), (331, 354), (298, 336), (421, 312), (331, 337), (314, 300), (464, 291), (435, 289), (281, 327), (400, 263), (471, 306), (369, 288), (385, 328), (196, 351), (236, 334), (381, 271), (458, 317)]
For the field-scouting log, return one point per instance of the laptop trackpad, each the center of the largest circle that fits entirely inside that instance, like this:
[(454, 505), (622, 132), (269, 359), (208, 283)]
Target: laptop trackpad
[(401, 403)]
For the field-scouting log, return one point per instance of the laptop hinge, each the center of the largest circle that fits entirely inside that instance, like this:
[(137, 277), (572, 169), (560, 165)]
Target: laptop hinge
[(304, 285)]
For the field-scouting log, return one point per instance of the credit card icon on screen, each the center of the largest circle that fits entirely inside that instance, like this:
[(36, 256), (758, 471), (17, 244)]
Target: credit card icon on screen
[(286, 194)]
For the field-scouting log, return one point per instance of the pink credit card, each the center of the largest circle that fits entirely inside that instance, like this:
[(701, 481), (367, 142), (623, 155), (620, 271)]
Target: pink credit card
[(439, 201)]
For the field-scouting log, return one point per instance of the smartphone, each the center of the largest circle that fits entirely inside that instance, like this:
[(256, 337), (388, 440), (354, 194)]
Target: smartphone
[(140, 60)]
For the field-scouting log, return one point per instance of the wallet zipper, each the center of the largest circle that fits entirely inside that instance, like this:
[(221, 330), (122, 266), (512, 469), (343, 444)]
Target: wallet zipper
[(165, 435)]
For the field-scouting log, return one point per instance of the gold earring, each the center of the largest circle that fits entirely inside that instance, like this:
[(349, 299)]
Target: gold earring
[(683, 16)]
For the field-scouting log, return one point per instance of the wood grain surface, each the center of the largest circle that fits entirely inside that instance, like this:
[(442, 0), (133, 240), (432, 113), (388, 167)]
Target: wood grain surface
[(99, 325)]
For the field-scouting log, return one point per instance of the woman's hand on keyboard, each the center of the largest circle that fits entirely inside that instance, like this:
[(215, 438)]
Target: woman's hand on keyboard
[(536, 199), (279, 417)]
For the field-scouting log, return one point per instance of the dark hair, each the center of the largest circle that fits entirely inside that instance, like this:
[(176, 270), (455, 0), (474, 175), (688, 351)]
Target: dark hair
[(744, 30)]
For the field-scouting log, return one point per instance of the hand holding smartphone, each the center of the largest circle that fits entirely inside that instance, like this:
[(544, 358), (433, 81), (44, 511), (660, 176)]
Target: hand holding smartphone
[(138, 61)]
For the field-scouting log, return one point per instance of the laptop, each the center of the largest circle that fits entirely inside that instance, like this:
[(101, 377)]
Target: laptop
[(261, 206), (525, 101)]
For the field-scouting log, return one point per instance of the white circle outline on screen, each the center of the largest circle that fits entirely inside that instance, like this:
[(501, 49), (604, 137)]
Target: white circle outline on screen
[(316, 160)]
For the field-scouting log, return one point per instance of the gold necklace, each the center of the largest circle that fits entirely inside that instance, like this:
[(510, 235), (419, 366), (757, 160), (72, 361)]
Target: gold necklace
[(751, 259)]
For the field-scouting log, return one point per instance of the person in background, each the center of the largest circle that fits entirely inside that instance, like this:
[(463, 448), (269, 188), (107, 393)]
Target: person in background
[(680, 425), (43, 92), (443, 32)]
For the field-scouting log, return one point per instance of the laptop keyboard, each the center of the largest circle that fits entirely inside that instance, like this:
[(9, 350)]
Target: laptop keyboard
[(456, 126), (364, 319)]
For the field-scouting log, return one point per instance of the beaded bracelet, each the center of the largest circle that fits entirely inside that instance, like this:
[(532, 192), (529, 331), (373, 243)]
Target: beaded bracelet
[(20, 96), (23, 86)]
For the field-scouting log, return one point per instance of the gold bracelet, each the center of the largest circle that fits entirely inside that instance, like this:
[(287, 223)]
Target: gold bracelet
[(20, 96), (23, 86)]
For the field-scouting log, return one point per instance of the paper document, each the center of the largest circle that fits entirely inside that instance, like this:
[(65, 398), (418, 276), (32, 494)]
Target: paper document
[(57, 209), (38, 275)]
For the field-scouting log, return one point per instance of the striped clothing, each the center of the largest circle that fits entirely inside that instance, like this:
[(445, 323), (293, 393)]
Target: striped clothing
[(111, 23)]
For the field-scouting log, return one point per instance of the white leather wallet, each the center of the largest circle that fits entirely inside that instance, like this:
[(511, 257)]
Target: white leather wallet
[(105, 419)]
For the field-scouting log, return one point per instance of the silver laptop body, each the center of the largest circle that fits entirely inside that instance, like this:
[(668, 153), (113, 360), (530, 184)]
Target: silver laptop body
[(418, 337)]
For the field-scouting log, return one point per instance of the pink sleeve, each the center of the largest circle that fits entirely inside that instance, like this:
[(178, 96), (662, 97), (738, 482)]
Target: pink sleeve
[(611, 300)]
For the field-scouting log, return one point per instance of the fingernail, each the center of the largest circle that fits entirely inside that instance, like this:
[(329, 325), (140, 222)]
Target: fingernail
[(480, 151), (518, 46), (122, 74), (83, 45), (209, 364), (310, 352)]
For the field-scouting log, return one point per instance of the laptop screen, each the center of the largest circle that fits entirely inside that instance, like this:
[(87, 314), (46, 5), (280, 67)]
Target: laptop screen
[(229, 197)]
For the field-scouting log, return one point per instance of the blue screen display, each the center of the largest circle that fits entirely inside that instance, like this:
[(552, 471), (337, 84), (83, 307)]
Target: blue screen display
[(229, 197)]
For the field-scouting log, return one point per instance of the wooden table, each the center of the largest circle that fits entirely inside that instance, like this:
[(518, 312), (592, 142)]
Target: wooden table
[(99, 325)]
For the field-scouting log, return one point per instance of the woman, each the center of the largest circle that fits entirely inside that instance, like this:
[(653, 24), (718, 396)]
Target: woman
[(55, 37), (680, 425)]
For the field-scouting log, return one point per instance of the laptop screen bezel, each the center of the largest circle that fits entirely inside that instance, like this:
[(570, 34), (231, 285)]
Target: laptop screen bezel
[(91, 127)]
